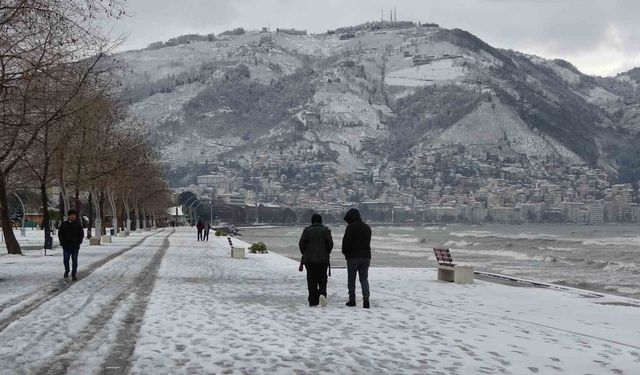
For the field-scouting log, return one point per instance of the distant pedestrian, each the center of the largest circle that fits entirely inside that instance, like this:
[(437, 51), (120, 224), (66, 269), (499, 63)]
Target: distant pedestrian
[(316, 245), (207, 228), (70, 235), (356, 247), (200, 228)]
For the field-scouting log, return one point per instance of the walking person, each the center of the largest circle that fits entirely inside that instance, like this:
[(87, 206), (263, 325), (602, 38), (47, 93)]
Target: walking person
[(207, 228), (316, 245), (70, 235), (200, 228), (356, 247)]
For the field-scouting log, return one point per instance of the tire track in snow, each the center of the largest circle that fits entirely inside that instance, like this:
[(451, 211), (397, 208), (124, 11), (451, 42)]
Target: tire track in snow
[(140, 287), (58, 288), (118, 361)]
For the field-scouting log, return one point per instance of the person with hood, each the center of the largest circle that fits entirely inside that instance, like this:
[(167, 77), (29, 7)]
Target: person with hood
[(356, 247), (200, 228), (206, 230), (316, 245), (70, 235)]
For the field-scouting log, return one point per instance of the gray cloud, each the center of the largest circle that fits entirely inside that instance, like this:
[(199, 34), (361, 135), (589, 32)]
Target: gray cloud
[(599, 36)]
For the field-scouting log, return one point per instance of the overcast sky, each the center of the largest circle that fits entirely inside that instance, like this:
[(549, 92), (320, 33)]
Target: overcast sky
[(598, 36)]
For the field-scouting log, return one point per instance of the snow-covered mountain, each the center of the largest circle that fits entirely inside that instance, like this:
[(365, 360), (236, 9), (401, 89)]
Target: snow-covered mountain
[(374, 94)]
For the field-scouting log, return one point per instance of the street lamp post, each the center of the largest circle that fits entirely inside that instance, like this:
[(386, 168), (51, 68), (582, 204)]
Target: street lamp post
[(213, 197)]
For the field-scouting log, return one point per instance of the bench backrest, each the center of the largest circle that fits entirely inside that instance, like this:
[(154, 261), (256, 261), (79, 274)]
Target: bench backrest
[(443, 256)]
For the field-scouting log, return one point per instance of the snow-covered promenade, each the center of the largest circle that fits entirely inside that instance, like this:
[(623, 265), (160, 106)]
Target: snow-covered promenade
[(165, 304)]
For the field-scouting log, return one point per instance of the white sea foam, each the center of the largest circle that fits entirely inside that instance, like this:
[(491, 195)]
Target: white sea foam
[(498, 253), (518, 236), (619, 266), (458, 244)]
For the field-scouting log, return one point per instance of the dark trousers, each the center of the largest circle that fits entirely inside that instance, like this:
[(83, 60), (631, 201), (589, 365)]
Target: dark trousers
[(316, 281), (361, 267), (73, 254), (205, 236), (199, 235)]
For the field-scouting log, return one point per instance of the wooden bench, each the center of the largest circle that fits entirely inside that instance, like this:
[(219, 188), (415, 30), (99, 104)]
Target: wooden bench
[(449, 271)]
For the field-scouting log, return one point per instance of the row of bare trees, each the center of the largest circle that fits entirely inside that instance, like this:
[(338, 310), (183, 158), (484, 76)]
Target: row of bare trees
[(62, 127)]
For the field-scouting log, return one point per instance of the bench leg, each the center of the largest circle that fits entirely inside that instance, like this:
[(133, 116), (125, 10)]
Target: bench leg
[(445, 275), (463, 275)]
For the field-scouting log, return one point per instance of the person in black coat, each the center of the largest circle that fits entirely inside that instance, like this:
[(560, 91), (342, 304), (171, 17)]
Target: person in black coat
[(316, 245), (205, 231), (200, 228), (70, 235), (356, 247)]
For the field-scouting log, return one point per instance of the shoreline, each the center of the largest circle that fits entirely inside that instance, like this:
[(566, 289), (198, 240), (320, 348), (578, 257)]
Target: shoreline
[(507, 280)]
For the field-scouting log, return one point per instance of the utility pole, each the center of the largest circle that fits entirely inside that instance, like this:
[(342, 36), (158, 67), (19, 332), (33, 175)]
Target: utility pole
[(176, 221), (213, 196), (257, 209)]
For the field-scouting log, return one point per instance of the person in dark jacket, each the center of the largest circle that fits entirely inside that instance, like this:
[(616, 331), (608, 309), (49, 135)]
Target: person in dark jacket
[(70, 235), (206, 229), (356, 247), (316, 245), (200, 228)]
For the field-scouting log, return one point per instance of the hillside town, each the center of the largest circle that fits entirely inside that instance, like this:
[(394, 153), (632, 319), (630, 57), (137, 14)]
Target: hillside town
[(439, 186)]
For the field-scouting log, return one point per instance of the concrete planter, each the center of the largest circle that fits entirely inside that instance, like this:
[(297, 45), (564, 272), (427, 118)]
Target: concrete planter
[(94, 241), (238, 253), (105, 239), (122, 234)]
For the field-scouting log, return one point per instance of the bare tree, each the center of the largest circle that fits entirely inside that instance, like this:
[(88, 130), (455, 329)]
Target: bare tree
[(41, 41)]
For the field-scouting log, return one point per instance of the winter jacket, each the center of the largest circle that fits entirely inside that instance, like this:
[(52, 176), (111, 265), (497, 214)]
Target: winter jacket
[(200, 226), (356, 242), (70, 235), (316, 244)]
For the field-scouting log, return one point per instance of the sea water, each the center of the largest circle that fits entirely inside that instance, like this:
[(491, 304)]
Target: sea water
[(602, 258)]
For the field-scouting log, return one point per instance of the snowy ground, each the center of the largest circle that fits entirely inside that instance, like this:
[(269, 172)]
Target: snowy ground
[(170, 305)]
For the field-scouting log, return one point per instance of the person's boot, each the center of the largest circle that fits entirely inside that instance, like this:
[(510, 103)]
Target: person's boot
[(66, 274), (365, 302), (323, 301), (351, 302), (73, 277)]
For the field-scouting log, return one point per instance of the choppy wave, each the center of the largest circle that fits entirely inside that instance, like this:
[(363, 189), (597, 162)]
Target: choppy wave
[(612, 241), (518, 236), (501, 253), (396, 238), (459, 243), (619, 266)]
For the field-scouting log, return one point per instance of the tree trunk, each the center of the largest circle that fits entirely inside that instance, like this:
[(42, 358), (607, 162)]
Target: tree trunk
[(90, 224), (114, 213), (144, 218), (65, 202), (98, 215), (46, 219), (127, 220), (136, 212), (13, 247), (101, 216)]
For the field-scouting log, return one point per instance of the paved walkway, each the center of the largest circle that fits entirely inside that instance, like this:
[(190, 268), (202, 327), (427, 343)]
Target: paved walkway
[(170, 305)]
